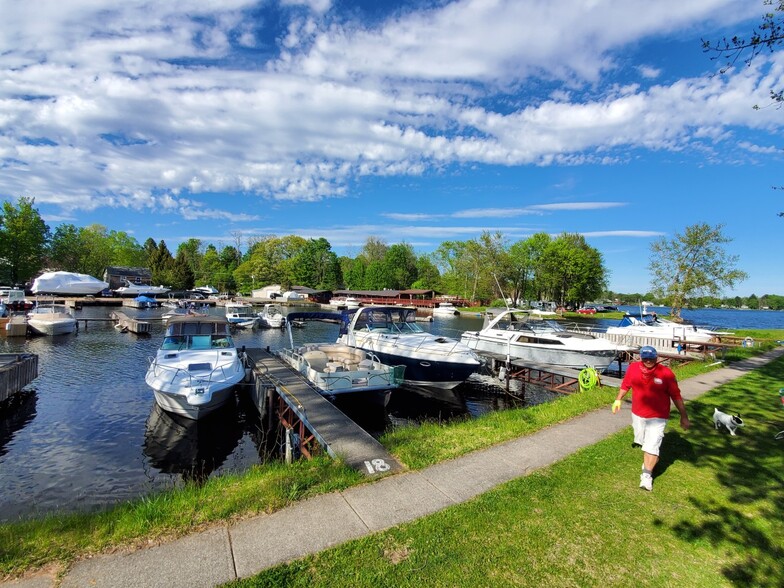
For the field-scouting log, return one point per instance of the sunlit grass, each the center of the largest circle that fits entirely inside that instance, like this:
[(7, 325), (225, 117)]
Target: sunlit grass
[(30, 544), (33, 543), (713, 519)]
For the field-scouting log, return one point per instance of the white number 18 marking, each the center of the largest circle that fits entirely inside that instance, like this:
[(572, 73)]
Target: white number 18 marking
[(376, 465)]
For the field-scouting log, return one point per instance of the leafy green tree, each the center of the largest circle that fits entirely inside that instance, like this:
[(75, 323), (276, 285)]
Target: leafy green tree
[(525, 267), (374, 250), (23, 240), (572, 271), (125, 250), (192, 254), (65, 249), (401, 266), (97, 252), (693, 263), (353, 271), (317, 266), (428, 276), (377, 276)]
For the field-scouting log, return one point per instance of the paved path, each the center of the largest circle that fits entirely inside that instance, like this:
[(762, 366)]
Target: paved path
[(227, 552)]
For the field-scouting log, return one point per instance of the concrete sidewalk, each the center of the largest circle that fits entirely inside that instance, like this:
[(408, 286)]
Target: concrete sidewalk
[(228, 552)]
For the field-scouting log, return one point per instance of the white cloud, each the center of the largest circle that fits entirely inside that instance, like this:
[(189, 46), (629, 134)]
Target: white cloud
[(106, 104)]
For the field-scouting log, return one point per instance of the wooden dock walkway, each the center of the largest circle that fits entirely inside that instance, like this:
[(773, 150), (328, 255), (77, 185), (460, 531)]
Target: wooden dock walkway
[(335, 432), (17, 370)]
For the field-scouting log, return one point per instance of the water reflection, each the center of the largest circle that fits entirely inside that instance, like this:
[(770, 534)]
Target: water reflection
[(191, 448), (15, 413)]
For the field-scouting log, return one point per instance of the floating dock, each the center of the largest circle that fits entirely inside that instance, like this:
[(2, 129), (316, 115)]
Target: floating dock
[(126, 323), (304, 409), (17, 370)]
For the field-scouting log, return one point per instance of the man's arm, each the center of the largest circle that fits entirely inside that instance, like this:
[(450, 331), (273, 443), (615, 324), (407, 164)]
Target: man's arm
[(616, 406), (679, 404)]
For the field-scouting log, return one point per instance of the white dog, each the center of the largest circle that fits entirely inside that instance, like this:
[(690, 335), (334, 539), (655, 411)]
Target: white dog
[(728, 421)]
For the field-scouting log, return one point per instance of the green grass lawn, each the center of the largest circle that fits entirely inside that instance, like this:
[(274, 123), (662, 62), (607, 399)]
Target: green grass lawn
[(713, 519), (60, 539)]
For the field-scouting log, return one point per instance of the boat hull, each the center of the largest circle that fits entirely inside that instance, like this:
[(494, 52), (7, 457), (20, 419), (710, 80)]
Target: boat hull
[(52, 327), (600, 358), (188, 405), (430, 373)]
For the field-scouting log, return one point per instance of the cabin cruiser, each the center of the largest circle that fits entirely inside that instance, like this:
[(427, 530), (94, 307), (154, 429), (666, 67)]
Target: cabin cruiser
[(67, 284), (240, 314), (51, 319), (196, 368), (650, 325), (134, 290), (339, 369), (392, 333), (347, 302), (514, 333), (271, 316), (446, 309), (206, 290)]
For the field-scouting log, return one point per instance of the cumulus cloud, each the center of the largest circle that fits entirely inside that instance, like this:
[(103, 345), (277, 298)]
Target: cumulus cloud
[(144, 104)]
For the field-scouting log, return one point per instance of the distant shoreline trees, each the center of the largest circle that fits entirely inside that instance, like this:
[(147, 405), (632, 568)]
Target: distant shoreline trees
[(563, 269)]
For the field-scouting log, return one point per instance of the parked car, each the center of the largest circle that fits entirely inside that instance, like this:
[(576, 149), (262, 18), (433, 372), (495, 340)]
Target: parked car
[(587, 310)]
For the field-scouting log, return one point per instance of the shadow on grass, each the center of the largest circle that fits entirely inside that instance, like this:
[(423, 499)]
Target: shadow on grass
[(747, 521)]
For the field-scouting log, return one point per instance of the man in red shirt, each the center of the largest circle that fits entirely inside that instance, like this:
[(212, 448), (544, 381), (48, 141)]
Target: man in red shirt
[(653, 386)]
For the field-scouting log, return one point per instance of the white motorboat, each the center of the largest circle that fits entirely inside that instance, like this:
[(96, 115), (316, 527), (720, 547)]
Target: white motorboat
[(513, 333), (134, 290), (206, 290), (347, 302), (67, 284), (240, 314), (196, 368), (180, 311), (51, 319), (650, 325), (272, 317), (392, 333), (446, 309), (339, 369)]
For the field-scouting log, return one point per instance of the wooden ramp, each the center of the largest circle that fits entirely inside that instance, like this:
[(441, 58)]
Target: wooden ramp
[(336, 433)]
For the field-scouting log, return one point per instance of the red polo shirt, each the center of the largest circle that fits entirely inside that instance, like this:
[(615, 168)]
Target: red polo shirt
[(652, 390)]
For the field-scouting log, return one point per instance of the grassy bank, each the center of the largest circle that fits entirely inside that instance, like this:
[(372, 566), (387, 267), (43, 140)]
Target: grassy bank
[(713, 519), (61, 538)]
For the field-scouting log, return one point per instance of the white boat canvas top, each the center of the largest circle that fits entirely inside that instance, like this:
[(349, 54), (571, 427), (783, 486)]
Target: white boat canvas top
[(67, 283)]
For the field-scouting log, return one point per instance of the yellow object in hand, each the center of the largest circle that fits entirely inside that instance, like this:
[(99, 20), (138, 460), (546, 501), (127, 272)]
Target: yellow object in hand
[(616, 406)]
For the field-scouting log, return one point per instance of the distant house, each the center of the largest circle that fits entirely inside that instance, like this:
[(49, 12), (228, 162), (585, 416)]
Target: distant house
[(118, 276)]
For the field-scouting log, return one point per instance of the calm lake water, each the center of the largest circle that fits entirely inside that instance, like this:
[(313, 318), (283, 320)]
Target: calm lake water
[(87, 432)]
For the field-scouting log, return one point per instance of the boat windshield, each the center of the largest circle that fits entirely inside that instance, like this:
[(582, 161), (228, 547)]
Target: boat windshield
[(181, 342), (197, 335), (388, 320)]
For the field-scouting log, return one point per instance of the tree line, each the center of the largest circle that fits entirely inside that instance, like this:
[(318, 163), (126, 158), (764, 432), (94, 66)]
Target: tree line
[(564, 269)]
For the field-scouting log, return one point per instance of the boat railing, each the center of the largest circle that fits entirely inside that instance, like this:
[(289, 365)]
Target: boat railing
[(576, 327), (218, 373), (423, 341)]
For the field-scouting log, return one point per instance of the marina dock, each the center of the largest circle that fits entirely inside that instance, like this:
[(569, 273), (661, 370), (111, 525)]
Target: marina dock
[(305, 410), (17, 370)]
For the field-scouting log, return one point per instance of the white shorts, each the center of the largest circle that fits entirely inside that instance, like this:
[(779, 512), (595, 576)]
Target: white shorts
[(648, 433)]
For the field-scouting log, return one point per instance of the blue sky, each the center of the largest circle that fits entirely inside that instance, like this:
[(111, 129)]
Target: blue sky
[(410, 121)]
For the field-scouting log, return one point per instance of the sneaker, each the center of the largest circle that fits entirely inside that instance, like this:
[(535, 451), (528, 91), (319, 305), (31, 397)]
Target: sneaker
[(646, 482)]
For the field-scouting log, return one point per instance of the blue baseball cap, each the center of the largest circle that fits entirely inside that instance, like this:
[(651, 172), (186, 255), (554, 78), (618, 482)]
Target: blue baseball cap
[(648, 352)]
